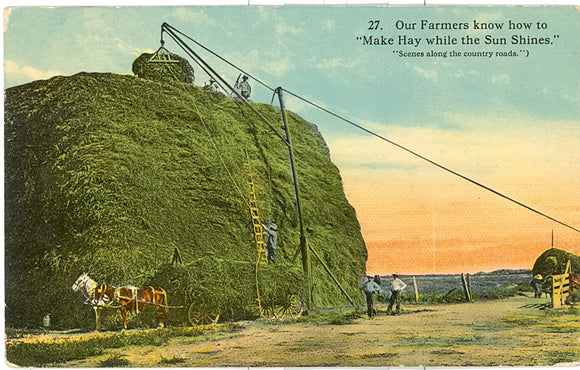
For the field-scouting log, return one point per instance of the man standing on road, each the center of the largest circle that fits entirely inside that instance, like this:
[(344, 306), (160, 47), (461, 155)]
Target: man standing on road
[(397, 286), (370, 286), (537, 285)]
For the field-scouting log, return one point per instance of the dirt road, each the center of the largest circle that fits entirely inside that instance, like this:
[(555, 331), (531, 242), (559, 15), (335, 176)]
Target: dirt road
[(490, 333)]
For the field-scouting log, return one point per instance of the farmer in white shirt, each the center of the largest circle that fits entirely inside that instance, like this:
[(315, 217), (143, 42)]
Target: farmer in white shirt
[(397, 286)]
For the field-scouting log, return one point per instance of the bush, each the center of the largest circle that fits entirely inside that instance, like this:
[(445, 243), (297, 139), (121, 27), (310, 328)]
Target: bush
[(506, 291), (457, 296), (115, 361)]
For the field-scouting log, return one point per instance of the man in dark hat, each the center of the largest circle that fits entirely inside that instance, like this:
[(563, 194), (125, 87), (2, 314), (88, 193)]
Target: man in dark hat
[(370, 286)]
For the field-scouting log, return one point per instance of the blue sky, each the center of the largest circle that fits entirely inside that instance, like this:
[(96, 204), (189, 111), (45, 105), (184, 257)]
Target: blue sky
[(313, 51), (512, 123)]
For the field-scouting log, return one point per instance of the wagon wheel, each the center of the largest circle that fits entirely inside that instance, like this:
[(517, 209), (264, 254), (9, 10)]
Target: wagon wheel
[(268, 312), (292, 307), (197, 316)]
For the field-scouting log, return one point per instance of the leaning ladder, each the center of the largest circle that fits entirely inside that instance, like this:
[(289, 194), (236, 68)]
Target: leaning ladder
[(256, 220)]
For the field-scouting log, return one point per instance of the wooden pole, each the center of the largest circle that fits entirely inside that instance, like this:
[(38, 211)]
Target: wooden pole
[(332, 276), (468, 277), (303, 245), (416, 290)]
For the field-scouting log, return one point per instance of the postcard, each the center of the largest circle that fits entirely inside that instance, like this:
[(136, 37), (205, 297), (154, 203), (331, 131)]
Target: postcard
[(291, 186)]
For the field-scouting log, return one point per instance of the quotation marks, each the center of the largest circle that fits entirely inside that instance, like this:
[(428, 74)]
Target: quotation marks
[(452, 44)]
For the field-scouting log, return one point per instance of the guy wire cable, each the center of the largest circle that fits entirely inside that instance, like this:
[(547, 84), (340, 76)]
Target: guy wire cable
[(430, 161), (189, 51), (218, 56)]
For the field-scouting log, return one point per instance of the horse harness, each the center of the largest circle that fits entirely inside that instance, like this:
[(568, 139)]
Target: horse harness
[(102, 290)]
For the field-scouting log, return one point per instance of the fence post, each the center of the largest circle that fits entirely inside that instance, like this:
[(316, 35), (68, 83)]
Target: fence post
[(416, 290), (465, 288), (97, 318), (469, 285)]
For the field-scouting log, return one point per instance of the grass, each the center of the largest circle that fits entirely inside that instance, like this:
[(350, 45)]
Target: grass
[(39, 353), (115, 361), (173, 360), (331, 317), (569, 355)]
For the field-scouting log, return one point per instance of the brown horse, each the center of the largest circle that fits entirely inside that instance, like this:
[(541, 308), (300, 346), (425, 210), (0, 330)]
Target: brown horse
[(130, 298)]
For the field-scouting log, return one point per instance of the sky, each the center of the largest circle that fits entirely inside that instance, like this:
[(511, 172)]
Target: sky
[(511, 123)]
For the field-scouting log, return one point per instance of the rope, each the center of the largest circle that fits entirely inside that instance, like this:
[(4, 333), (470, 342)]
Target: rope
[(195, 57), (430, 161), (218, 56), (218, 151), (259, 298), (211, 138), (110, 305), (116, 297)]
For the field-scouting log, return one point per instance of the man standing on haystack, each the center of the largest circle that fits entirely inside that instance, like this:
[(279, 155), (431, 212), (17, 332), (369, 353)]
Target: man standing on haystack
[(397, 286), (243, 87)]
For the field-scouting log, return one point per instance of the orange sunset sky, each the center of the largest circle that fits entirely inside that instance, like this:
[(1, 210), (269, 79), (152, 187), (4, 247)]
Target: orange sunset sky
[(418, 219)]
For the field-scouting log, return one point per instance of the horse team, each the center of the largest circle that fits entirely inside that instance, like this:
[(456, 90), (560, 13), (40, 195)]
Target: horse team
[(125, 297)]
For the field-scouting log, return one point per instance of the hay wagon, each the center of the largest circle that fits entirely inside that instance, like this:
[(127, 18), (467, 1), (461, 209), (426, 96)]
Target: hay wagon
[(211, 287), (202, 314)]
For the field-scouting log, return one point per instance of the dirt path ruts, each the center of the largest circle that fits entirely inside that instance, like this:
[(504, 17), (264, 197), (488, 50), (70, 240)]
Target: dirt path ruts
[(490, 333)]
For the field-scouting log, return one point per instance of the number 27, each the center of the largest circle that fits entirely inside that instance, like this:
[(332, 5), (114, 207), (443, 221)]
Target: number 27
[(374, 25)]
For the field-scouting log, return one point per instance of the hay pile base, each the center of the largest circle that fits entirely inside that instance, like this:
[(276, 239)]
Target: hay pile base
[(110, 174)]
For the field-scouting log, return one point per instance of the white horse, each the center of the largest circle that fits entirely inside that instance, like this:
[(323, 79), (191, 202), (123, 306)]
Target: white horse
[(87, 287), (84, 283)]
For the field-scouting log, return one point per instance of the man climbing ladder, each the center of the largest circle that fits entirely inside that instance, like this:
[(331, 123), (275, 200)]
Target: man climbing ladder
[(271, 243)]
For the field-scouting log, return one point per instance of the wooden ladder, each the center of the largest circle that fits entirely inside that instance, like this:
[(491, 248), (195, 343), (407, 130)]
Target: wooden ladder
[(256, 220)]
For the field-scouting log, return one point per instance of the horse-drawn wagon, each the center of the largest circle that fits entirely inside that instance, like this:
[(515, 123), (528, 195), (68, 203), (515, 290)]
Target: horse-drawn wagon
[(129, 298), (205, 290)]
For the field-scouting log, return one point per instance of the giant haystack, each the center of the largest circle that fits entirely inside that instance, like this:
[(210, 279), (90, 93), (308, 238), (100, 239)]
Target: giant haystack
[(111, 174)]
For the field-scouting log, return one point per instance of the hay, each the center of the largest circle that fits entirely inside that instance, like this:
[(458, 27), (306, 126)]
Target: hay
[(553, 262), (109, 174), (167, 68)]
